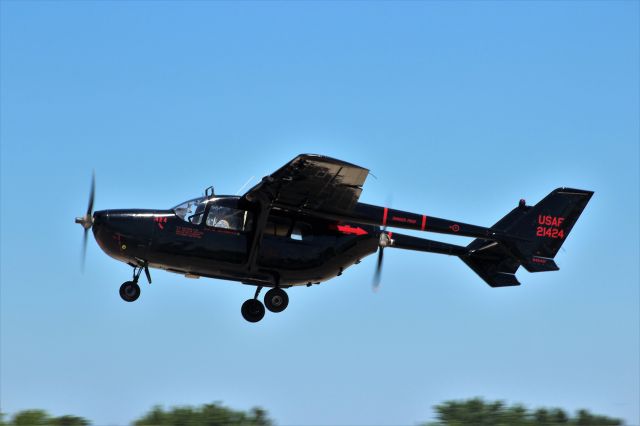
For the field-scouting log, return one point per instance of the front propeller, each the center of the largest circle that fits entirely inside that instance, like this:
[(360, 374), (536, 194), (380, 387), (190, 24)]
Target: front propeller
[(86, 221)]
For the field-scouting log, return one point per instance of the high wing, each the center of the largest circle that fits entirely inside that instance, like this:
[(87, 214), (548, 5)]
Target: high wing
[(312, 182)]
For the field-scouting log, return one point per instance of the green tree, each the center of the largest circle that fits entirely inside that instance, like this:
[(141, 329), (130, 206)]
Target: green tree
[(214, 414), (558, 416), (478, 412), (541, 416), (68, 420), (585, 418), (30, 418), (42, 418)]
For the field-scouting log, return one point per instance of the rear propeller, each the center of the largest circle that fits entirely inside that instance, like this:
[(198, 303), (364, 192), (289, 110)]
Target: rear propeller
[(86, 221), (385, 241)]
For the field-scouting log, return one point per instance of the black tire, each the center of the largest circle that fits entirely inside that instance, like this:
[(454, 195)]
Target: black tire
[(276, 300), (129, 291), (252, 310)]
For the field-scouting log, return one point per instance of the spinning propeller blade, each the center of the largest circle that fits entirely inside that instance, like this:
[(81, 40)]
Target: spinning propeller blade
[(86, 221), (378, 273), (385, 241), (91, 194)]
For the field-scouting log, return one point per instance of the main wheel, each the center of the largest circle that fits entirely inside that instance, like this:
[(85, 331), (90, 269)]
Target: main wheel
[(252, 310), (129, 291), (276, 300)]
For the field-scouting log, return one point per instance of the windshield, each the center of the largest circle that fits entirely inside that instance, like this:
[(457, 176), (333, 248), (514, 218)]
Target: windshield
[(191, 211)]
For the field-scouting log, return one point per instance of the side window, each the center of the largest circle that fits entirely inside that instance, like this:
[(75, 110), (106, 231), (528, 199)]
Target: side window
[(302, 231), (278, 227), (228, 218)]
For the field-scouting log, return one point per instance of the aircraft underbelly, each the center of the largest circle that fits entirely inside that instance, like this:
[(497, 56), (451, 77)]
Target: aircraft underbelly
[(303, 262), (289, 262)]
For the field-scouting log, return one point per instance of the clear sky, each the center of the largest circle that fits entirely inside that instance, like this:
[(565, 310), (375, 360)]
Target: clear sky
[(459, 109)]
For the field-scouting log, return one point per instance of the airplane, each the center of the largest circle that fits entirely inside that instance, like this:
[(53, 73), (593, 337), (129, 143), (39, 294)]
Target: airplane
[(303, 225)]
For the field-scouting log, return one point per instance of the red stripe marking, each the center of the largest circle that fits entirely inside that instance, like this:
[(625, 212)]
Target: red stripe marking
[(384, 216), (424, 222)]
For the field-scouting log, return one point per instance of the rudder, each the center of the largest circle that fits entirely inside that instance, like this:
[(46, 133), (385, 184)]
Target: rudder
[(529, 236), (538, 235)]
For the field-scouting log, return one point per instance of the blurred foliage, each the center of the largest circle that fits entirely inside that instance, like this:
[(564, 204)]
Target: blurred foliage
[(42, 418), (478, 412), (207, 415)]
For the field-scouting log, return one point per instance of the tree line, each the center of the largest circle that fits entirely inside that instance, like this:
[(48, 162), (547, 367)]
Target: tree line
[(478, 412), (474, 411)]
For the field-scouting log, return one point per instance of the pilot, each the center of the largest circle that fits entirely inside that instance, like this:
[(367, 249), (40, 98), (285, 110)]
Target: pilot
[(222, 223), (225, 218), (181, 212)]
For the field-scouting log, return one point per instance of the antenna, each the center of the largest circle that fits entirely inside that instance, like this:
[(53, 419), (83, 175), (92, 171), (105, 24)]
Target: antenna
[(245, 184)]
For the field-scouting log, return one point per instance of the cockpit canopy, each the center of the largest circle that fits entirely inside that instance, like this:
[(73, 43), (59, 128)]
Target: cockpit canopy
[(220, 213)]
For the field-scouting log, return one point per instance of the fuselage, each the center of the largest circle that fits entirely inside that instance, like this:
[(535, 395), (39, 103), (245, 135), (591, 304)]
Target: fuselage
[(214, 237)]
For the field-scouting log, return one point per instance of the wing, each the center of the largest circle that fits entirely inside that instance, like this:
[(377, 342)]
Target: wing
[(312, 182)]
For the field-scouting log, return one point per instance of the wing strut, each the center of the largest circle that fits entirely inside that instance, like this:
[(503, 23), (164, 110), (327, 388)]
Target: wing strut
[(264, 208)]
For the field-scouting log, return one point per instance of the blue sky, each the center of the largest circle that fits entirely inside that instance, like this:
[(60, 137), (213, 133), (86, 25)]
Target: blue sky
[(459, 109)]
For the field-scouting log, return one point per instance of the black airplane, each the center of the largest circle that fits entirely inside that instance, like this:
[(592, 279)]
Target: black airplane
[(303, 225)]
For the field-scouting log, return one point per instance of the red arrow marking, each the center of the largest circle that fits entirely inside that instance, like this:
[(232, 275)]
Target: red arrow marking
[(348, 229)]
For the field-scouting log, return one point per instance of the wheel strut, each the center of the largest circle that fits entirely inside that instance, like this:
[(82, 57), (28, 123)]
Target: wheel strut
[(137, 270), (257, 292)]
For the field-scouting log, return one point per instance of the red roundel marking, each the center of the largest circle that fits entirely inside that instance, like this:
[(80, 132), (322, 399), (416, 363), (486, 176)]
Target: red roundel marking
[(384, 216), (455, 227), (424, 222), (390, 234)]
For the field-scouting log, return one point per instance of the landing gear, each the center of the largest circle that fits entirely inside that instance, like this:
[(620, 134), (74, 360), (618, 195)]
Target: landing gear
[(276, 300), (130, 291), (252, 310)]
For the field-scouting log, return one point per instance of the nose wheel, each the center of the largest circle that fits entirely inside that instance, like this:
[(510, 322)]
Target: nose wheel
[(276, 300), (129, 291)]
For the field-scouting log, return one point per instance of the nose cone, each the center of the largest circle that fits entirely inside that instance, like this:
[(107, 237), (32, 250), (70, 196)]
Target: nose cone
[(99, 218), (123, 234)]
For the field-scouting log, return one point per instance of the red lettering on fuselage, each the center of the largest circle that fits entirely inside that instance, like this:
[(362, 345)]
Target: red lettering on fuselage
[(160, 221), (550, 226), (404, 220), (185, 231), (550, 220)]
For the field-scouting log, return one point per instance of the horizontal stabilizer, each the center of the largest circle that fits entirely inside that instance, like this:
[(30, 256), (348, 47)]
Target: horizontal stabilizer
[(493, 262), (490, 272), (540, 264)]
